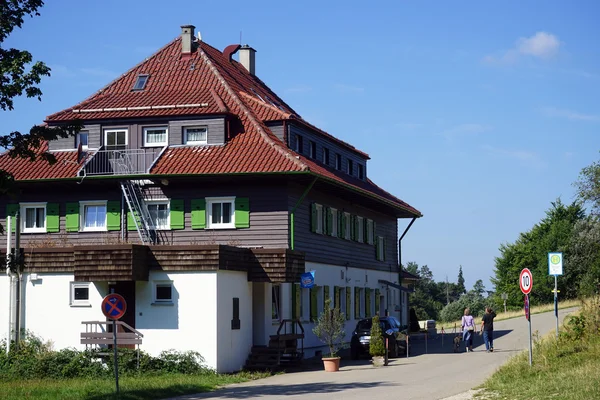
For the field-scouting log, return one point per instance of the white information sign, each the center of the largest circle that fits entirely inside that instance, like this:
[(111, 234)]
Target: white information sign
[(555, 264)]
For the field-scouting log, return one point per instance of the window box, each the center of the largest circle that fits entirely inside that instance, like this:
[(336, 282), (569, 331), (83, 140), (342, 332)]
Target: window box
[(195, 135), (93, 216), (33, 217), (80, 294), (220, 212), (156, 137)]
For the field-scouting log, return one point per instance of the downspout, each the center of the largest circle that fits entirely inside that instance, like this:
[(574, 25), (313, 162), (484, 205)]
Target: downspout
[(10, 281), (17, 259), (123, 217), (292, 213), (400, 264)]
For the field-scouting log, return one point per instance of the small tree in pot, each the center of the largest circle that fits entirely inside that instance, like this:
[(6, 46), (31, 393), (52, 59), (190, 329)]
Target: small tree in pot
[(330, 330), (376, 346)]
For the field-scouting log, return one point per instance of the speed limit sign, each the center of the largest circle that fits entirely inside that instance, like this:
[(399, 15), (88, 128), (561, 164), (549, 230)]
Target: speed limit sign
[(526, 281)]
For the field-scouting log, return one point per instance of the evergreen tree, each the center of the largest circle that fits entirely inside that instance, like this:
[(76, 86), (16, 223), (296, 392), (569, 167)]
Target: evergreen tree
[(461, 281)]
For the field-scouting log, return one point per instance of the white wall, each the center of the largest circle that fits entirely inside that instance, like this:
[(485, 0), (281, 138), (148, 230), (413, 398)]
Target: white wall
[(4, 302), (233, 345), (189, 323)]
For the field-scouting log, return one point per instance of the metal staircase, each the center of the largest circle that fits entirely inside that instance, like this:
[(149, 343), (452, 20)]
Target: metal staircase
[(141, 217)]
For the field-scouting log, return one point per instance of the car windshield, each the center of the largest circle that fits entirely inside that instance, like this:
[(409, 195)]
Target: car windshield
[(364, 325)]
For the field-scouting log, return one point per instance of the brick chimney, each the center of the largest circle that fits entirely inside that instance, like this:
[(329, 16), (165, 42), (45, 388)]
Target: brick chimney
[(247, 58), (187, 38)]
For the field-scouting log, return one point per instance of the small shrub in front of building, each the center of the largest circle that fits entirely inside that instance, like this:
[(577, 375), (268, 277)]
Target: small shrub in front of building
[(36, 360)]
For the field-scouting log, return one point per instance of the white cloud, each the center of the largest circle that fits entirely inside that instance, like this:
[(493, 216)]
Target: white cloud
[(348, 88), (465, 130), (528, 158), (542, 45), (568, 114)]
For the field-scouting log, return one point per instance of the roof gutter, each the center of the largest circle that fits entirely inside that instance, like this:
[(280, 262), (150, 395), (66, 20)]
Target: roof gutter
[(293, 212)]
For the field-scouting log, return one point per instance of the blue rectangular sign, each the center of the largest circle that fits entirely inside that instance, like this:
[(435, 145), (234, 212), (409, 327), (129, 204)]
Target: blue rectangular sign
[(307, 280)]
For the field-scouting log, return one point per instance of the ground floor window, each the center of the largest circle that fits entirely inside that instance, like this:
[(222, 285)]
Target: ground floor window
[(163, 292), (276, 302), (80, 293)]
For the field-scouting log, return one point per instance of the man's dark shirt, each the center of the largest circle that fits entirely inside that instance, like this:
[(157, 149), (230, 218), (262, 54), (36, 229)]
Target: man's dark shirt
[(488, 321)]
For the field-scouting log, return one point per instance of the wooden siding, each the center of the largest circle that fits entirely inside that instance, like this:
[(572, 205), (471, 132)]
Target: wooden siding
[(94, 139), (326, 249), (277, 130), (110, 263), (332, 146), (215, 130)]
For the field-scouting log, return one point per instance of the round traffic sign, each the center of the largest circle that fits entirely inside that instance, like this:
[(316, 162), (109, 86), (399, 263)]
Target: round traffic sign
[(114, 306), (526, 281)]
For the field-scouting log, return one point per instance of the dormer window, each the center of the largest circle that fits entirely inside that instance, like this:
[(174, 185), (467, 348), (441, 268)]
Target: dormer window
[(195, 135), (313, 149), (338, 161), (82, 139), (361, 171), (156, 137), (325, 156), (298, 144), (350, 167), (140, 82)]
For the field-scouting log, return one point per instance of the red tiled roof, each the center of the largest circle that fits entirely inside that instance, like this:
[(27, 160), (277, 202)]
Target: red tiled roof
[(206, 82), (66, 166)]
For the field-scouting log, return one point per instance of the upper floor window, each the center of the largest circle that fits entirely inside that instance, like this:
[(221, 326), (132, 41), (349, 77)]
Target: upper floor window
[(334, 221), (34, 217), (298, 144), (325, 156), (93, 215), (370, 231), (82, 139), (159, 213), (221, 212), (380, 248), (338, 161), (348, 226), (360, 228), (350, 167), (195, 135), (115, 137), (361, 171), (156, 137), (313, 149), (140, 82)]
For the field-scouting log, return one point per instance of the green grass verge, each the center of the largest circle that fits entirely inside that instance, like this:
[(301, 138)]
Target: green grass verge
[(131, 387)]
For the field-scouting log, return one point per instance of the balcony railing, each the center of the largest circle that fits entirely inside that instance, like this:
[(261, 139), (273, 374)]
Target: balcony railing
[(122, 162)]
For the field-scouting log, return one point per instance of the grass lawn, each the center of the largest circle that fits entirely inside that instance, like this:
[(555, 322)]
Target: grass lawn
[(138, 388)]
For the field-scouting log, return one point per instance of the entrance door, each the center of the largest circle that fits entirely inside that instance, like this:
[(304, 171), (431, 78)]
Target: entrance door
[(127, 290)]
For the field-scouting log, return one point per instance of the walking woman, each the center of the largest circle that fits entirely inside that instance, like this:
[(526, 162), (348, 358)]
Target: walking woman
[(468, 327), (487, 327)]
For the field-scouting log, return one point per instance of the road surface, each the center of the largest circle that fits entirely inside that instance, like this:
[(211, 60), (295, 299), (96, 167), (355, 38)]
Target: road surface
[(438, 374)]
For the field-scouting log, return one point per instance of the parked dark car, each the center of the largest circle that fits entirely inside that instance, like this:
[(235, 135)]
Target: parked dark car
[(391, 329)]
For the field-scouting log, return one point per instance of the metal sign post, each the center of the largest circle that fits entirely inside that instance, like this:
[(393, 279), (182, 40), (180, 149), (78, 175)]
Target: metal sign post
[(114, 307), (555, 267), (526, 284), (504, 297)]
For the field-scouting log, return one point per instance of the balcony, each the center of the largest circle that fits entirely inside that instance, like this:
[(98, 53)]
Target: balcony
[(121, 161)]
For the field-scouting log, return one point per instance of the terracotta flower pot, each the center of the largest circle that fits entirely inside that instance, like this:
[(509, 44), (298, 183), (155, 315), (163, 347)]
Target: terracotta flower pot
[(331, 364), (378, 361)]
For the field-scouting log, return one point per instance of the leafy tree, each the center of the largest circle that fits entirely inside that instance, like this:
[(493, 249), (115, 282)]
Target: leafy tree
[(588, 186), (18, 77), (330, 328), (582, 259), (474, 299), (461, 281), (427, 299), (479, 287)]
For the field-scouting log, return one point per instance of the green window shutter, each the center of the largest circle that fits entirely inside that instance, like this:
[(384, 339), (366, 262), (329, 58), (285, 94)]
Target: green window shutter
[(348, 303), (177, 214), (325, 295), (313, 217), (314, 310), (52, 218), (383, 255), (113, 215), (377, 302), (376, 248), (356, 303), (328, 221), (130, 221), (367, 302), (374, 234), (72, 217), (340, 221), (336, 297), (11, 210), (365, 230), (353, 227), (242, 212), (199, 214), (343, 226)]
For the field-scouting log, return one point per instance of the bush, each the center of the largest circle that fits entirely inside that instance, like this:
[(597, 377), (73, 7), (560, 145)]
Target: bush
[(376, 346), (36, 360), (455, 310)]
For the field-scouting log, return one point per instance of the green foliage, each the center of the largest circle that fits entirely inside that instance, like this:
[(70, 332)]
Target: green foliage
[(474, 300), (376, 346), (36, 360), (588, 186), (460, 283), (330, 328)]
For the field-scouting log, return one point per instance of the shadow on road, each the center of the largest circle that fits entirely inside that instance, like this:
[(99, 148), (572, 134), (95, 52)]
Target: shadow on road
[(444, 343)]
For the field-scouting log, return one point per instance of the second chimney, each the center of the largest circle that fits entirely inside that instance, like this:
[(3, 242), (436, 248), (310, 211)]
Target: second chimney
[(187, 38), (247, 58)]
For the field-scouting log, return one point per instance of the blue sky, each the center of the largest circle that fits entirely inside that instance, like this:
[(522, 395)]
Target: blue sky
[(477, 114)]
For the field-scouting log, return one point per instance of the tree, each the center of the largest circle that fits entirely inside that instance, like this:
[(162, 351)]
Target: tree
[(588, 186), (330, 328), (461, 281), (17, 77), (376, 346)]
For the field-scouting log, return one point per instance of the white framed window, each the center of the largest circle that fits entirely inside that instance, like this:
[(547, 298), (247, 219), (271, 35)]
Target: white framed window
[(80, 294), (115, 137), (33, 217), (334, 222), (276, 302), (82, 139), (348, 223), (298, 144), (93, 215), (195, 135), (159, 211), (360, 221), (319, 227), (162, 292), (370, 231), (380, 248), (156, 136), (221, 213)]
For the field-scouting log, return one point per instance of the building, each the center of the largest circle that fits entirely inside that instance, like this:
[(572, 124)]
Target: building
[(201, 196)]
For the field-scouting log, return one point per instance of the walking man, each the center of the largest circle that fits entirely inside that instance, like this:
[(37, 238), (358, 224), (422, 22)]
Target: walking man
[(487, 327)]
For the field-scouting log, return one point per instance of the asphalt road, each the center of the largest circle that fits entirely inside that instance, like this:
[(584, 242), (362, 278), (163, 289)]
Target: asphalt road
[(437, 374)]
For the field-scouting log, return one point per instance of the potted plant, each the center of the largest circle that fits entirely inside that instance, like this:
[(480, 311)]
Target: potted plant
[(376, 346), (330, 330)]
